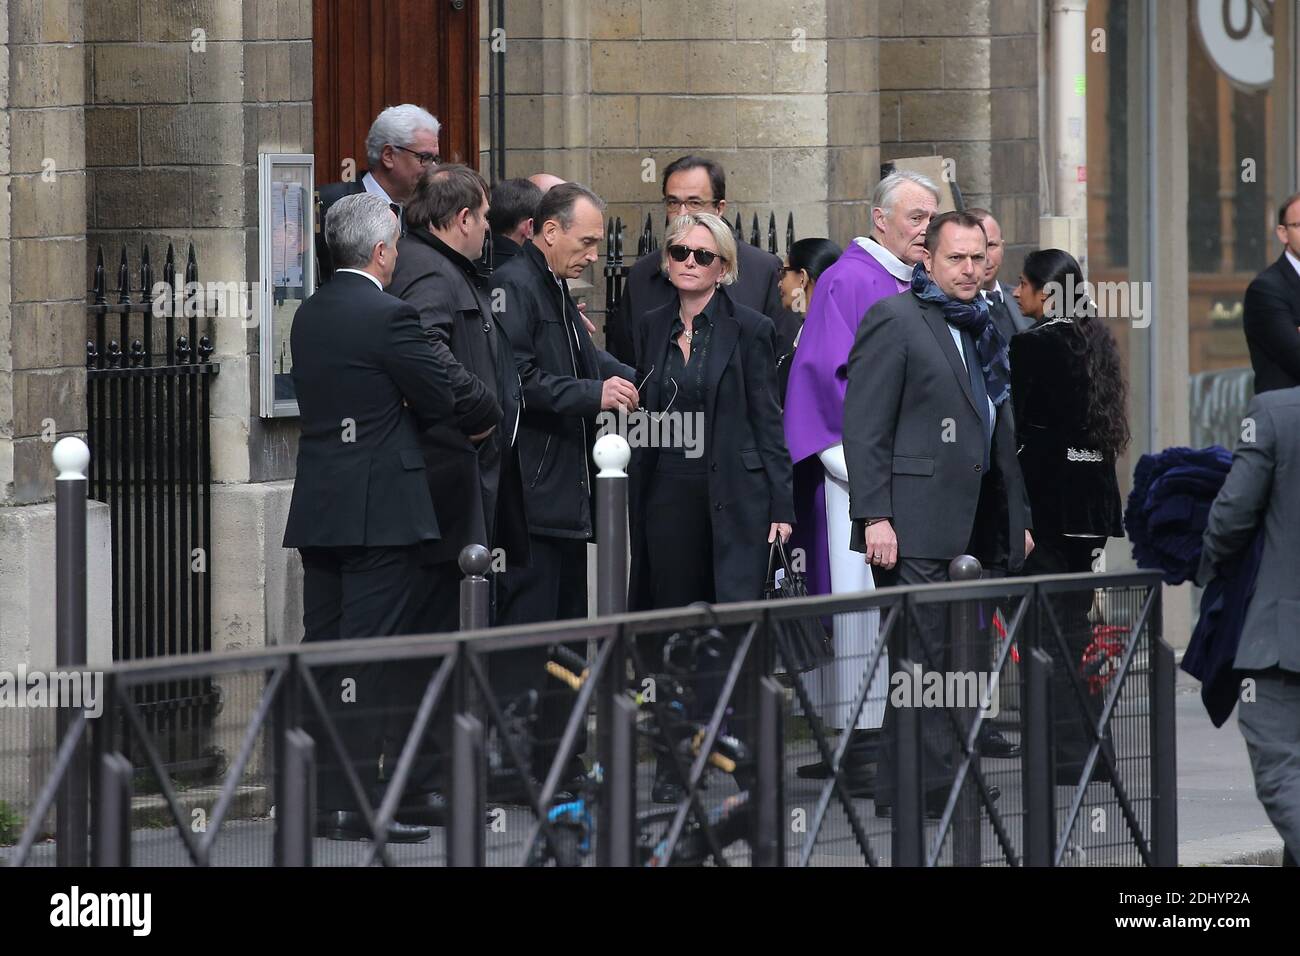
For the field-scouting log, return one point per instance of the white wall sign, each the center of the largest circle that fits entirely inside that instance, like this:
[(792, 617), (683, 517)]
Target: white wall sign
[(1238, 36)]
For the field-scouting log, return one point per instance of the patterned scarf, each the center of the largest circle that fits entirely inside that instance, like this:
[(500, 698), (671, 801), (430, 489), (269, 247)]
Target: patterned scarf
[(972, 317)]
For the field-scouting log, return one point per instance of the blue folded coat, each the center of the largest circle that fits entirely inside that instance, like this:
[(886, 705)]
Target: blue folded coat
[(1165, 518)]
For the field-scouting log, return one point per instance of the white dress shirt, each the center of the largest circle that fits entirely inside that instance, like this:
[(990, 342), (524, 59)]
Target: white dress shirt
[(359, 272), (371, 185), (1295, 263)]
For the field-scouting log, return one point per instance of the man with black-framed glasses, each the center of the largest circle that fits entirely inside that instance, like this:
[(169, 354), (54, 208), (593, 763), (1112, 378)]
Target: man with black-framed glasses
[(1271, 312), (692, 184), (401, 145)]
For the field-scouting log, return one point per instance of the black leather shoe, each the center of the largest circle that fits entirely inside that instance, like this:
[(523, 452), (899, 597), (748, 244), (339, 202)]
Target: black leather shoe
[(935, 802), (666, 789), (853, 764), (993, 744), (863, 749), (351, 825), (428, 809)]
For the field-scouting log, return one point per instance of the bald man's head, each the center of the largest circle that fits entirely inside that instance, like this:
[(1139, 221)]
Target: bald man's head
[(544, 181)]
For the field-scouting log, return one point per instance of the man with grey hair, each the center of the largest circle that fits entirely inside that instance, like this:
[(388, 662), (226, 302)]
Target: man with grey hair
[(401, 144), (872, 268), (567, 382), (367, 382)]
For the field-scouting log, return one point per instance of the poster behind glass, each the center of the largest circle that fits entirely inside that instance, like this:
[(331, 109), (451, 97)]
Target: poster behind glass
[(286, 233)]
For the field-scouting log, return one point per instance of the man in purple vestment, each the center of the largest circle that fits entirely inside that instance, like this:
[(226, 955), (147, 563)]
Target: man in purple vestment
[(871, 268)]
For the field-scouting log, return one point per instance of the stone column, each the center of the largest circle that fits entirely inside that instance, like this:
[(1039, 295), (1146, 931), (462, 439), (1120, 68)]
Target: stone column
[(42, 357), (961, 81), (853, 112), (184, 97)]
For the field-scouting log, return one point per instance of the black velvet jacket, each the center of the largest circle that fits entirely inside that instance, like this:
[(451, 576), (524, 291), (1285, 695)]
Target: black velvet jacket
[(1072, 486)]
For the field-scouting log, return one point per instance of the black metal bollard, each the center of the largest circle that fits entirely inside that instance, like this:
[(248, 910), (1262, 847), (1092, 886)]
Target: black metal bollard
[(113, 812), (475, 593), (295, 815), (616, 834), (71, 457), (966, 658), (612, 455), (1039, 774), (1164, 765), (615, 715), (466, 837), (768, 813), (908, 830)]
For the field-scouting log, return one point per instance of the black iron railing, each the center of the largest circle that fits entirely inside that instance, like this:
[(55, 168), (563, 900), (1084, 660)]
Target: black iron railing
[(1123, 774), (148, 395)]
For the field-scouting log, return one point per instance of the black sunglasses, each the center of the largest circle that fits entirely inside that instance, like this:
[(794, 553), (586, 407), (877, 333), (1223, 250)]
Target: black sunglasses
[(703, 257)]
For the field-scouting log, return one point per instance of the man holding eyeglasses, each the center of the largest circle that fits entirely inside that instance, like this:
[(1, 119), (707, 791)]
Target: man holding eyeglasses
[(401, 145), (1271, 317), (692, 184)]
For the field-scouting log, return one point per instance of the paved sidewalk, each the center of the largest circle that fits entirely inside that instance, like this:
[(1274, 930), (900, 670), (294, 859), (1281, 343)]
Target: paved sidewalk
[(1219, 818)]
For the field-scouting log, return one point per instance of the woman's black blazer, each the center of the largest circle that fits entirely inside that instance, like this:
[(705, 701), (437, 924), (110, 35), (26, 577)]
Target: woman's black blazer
[(749, 468), (1071, 484)]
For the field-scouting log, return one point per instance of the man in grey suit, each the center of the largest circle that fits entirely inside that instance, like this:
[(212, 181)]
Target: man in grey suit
[(1002, 304), (931, 454), (1259, 495)]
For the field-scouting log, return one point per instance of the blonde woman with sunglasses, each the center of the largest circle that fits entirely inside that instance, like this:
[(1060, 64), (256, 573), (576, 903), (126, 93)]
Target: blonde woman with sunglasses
[(703, 514)]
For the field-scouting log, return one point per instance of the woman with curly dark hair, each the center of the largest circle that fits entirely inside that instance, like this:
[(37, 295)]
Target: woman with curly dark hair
[(1069, 396), (1071, 427)]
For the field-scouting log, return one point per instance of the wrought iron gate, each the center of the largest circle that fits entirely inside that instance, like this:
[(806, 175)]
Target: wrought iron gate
[(148, 401)]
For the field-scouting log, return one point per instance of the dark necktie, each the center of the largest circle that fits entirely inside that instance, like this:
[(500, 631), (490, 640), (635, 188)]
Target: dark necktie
[(981, 392)]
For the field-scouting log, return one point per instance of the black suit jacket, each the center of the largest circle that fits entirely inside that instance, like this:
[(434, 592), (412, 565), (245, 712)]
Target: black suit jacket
[(503, 250), (476, 490), (363, 372), (750, 475), (914, 442), (647, 289), (563, 374), (1271, 319), (327, 196)]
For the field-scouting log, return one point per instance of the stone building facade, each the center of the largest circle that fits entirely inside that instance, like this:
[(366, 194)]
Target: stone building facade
[(140, 121), (800, 102)]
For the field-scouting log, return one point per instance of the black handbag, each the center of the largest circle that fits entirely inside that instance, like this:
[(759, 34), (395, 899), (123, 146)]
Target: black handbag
[(801, 642)]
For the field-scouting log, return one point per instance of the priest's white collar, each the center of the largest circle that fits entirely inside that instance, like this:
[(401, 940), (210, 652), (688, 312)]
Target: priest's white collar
[(895, 266)]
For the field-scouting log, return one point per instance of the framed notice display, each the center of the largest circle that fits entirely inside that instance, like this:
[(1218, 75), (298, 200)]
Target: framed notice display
[(287, 256)]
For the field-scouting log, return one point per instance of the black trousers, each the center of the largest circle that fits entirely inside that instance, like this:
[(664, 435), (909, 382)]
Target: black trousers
[(679, 540), (436, 611), (355, 592), (552, 588), (927, 644), (1058, 554), (679, 561)]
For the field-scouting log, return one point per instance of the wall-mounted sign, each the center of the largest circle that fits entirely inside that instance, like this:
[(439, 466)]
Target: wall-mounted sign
[(1238, 37), (286, 231)]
